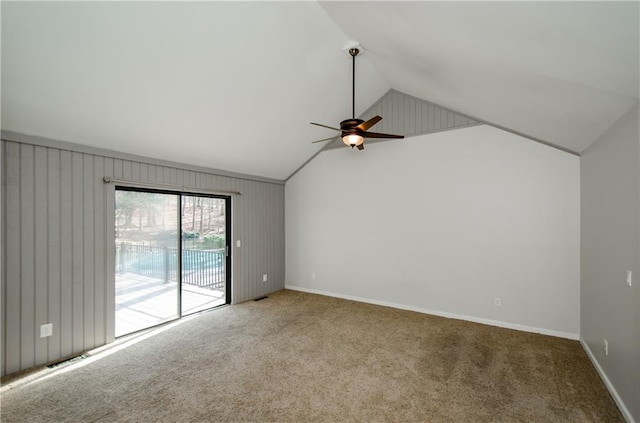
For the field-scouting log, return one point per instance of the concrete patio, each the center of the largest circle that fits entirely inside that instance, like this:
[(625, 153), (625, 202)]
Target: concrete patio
[(142, 301)]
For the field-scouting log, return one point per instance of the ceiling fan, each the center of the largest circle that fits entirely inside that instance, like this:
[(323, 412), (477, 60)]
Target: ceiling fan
[(354, 131)]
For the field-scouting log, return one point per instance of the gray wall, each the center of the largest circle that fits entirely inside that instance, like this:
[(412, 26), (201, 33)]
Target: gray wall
[(610, 245), (443, 224), (57, 243)]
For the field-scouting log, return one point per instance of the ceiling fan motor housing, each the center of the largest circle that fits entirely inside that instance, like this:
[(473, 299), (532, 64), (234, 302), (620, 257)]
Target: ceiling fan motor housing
[(350, 126), (352, 135)]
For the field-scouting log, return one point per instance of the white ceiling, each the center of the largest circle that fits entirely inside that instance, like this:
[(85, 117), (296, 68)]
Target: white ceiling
[(562, 72), (234, 85)]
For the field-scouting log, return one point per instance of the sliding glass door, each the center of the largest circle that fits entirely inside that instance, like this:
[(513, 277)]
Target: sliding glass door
[(204, 253), (147, 241), (171, 256)]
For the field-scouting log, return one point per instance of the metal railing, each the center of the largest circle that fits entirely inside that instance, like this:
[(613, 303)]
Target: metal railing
[(203, 268)]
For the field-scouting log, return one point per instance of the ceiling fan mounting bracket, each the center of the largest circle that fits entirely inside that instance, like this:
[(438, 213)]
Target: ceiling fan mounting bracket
[(350, 47), (354, 51)]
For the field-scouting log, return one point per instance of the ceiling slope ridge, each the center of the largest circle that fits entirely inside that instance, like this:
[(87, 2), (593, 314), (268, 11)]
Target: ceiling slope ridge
[(404, 114), (411, 116), (480, 121)]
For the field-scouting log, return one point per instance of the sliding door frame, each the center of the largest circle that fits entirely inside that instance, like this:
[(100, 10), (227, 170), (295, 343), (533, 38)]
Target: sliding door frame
[(227, 238), (110, 239)]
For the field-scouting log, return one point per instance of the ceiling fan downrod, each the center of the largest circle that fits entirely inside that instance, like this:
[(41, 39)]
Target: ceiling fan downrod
[(353, 52), (353, 131)]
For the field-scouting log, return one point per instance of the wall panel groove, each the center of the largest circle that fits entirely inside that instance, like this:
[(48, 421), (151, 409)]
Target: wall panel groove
[(41, 252), (11, 224), (27, 257), (53, 247), (58, 255)]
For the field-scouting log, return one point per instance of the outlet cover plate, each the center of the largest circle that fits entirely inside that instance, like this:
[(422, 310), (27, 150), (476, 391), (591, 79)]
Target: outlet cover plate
[(46, 330)]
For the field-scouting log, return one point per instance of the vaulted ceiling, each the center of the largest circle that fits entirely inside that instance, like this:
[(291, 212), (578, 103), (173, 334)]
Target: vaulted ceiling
[(234, 85)]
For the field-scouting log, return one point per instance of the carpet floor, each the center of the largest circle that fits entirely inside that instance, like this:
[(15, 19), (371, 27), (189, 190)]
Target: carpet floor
[(297, 357)]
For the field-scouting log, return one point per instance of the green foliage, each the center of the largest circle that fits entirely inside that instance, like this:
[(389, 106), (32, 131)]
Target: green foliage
[(213, 241)]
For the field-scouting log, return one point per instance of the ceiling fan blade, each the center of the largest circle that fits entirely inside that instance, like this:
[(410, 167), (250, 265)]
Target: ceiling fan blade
[(325, 126), (378, 135), (360, 147), (368, 124), (325, 139)]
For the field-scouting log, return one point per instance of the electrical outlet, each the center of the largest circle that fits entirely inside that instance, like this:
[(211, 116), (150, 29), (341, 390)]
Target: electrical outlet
[(313, 276), (606, 347), (629, 277), (497, 302), (264, 277), (46, 330)]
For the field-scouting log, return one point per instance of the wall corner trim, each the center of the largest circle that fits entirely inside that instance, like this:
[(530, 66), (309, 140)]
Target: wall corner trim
[(612, 390)]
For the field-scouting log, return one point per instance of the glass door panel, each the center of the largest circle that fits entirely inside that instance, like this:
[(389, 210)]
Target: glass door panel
[(147, 259), (204, 243)]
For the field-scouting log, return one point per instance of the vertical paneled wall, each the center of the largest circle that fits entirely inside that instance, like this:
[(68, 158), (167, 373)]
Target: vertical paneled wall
[(58, 259), (410, 116)]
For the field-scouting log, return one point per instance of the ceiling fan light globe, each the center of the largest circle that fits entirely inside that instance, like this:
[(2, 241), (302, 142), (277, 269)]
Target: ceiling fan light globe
[(353, 140)]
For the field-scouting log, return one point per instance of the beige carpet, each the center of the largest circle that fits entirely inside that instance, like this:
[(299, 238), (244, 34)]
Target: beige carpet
[(297, 357)]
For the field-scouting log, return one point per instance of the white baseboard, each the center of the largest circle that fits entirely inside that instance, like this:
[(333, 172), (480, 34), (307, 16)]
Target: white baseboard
[(567, 335), (623, 408)]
